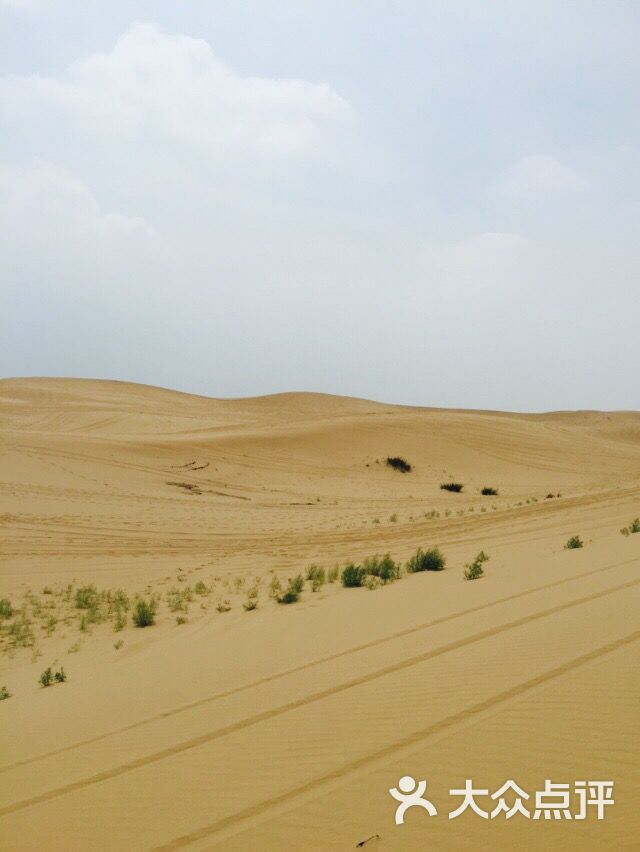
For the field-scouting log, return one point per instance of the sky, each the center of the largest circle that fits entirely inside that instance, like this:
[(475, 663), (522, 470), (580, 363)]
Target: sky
[(430, 203)]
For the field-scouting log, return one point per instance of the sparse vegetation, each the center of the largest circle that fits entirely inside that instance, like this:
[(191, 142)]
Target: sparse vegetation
[(293, 590), (634, 527), (223, 605), (316, 576), (46, 678), (352, 576), (456, 487), (384, 568), (6, 610), (144, 612), (488, 491), (4, 693), (333, 574), (426, 560), (574, 543), (474, 570), (398, 463)]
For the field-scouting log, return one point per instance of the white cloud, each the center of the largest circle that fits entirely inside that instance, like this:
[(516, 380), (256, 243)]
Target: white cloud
[(175, 85), (46, 209), (539, 175)]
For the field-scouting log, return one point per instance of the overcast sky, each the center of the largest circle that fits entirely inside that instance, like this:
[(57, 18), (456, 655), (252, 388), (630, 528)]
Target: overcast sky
[(435, 203)]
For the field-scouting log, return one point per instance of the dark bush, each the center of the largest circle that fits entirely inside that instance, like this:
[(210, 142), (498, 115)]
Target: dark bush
[(398, 463), (574, 543), (293, 590), (487, 491), (144, 613), (426, 560), (452, 486), (352, 576)]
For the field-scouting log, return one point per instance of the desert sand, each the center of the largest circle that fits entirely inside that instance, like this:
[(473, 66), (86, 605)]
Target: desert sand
[(284, 727)]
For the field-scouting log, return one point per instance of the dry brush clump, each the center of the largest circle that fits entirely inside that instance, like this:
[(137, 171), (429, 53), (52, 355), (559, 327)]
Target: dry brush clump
[(634, 527), (474, 570)]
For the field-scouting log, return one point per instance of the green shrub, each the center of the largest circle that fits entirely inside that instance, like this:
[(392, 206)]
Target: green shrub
[(382, 567), (223, 606), (293, 590), (634, 527), (317, 576), (487, 491), (426, 560), (352, 576), (398, 463), (6, 610), (474, 570), (144, 613), (87, 597), (60, 676), (46, 678), (4, 693), (333, 574), (180, 619), (574, 543)]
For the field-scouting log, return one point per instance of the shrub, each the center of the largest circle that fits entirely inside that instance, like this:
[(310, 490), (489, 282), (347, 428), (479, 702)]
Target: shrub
[(46, 678), (120, 621), (202, 588), (352, 576), (452, 486), (398, 463), (180, 619), (382, 567), (426, 560), (87, 597), (6, 610), (574, 543), (60, 676), (144, 613), (317, 576), (117, 645), (372, 582), (474, 570), (487, 491), (223, 606), (4, 693), (393, 518), (250, 604), (634, 527), (293, 590), (333, 574), (275, 587)]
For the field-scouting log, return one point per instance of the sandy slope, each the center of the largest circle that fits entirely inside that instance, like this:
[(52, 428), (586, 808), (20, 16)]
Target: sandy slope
[(283, 728)]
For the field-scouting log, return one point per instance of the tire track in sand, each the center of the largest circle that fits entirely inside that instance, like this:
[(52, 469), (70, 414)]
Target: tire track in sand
[(388, 751)]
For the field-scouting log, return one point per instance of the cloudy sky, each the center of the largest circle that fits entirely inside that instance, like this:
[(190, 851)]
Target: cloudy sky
[(433, 203)]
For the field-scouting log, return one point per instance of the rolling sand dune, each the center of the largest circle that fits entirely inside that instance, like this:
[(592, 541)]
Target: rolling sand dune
[(284, 727)]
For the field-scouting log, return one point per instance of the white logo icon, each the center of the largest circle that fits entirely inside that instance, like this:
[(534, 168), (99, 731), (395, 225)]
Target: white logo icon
[(409, 793)]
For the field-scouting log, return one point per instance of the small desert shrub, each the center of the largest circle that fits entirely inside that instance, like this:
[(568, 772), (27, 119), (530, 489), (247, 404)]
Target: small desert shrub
[(634, 527), (398, 463), (87, 597), (4, 693), (426, 560), (223, 606), (372, 582), (317, 577), (474, 570), (333, 574), (47, 590), (46, 678), (293, 590), (120, 621), (574, 543), (144, 613), (393, 518), (60, 676), (352, 576), (250, 604), (119, 644), (202, 588), (20, 632), (487, 491), (452, 486), (6, 610), (382, 567), (180, 619)]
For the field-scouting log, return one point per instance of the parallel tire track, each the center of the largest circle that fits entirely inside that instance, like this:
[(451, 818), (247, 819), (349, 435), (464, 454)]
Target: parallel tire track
[(390, 750), (274, 712)]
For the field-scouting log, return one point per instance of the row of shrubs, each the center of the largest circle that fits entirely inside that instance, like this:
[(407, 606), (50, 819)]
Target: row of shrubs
[(401, 464)]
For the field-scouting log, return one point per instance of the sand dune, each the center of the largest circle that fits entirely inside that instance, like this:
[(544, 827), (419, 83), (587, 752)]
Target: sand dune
[(284, 727)]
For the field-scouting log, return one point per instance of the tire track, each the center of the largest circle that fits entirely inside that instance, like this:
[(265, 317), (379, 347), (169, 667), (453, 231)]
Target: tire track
[(305, 666), (390, 750), (274, 712)]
